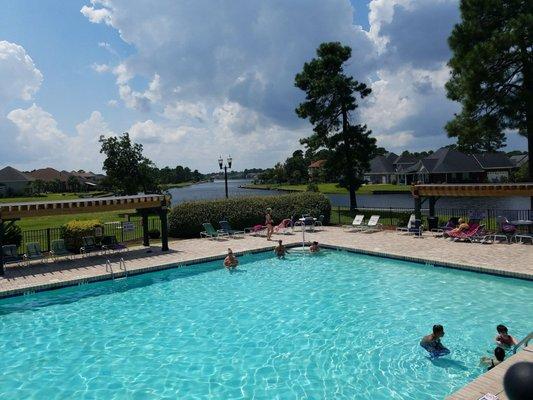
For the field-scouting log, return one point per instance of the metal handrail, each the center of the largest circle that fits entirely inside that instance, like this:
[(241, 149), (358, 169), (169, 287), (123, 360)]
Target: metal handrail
[(122, 266), (524, 341), (109, 268)]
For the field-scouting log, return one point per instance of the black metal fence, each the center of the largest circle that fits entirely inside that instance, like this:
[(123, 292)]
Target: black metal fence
[(393, 216), (120, 230)]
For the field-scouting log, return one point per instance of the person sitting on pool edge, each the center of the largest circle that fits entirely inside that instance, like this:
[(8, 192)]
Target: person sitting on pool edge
[(503, 339), (280, 250), (432, 343), (491, 362), (231, 262), (314, 247)]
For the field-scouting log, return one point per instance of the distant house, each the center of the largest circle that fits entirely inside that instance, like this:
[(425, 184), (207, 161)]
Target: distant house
[(315, 168), (382, 169), (13, 182), (446, 165), (519, 160), (88, 178)]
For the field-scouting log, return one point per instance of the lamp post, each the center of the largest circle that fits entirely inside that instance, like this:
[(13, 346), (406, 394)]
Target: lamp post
[(225, 168)]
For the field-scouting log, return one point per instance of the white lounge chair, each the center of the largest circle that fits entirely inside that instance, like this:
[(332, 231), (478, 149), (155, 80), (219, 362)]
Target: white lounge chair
[(357, 223), (410, 224), (372, 225)]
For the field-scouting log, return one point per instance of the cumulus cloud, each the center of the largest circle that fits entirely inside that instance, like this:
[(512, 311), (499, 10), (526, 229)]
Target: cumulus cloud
[(20, 77), (100, 68)]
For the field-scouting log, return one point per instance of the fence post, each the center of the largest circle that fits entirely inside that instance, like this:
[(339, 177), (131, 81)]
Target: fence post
[(47, 239), (339, 213), (390, 215)]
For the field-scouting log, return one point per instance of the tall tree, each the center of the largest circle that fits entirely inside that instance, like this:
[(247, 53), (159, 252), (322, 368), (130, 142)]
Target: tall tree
[(127, 170), (492, 73), (329, 105)]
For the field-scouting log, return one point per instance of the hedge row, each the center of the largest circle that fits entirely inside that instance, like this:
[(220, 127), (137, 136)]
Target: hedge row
[(185, 219)]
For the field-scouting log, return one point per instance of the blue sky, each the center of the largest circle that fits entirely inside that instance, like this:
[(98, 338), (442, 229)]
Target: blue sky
[(191, 80)]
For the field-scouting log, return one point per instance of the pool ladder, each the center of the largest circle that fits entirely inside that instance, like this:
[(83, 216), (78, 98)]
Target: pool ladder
[(121, 266), (524, 342)]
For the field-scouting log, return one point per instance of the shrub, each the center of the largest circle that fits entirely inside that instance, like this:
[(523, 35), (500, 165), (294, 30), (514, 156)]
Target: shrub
[(12, 234), (312, 187), (74, 231), (185, 219), (154, 234)]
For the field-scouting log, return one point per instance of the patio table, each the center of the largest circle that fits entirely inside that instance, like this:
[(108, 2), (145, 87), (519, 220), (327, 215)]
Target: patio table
[(526, 224)]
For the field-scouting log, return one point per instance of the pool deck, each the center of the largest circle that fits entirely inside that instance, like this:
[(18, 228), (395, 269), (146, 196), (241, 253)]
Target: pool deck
[(515, 260)]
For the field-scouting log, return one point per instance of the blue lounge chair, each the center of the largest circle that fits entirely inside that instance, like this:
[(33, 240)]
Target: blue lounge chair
[(89, 245), (33, 252), (11, 255), (211, 233), (58, 249), (226, 227), (110, 243)]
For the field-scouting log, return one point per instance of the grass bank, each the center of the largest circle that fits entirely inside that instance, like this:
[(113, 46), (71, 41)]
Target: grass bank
[(333, 188)]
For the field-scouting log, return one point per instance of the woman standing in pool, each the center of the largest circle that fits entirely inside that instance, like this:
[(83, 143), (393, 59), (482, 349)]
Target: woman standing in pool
[(269, 223)]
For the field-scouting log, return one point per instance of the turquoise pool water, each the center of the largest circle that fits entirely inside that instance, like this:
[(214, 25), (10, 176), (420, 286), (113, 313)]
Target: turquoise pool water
[(336, 325)]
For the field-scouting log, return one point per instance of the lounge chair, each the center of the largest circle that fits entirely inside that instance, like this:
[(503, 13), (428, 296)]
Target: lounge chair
[(506, 230), (406, 228), (89, 245), (416, 228), (58, 249), (110, 243), (256, 230), (285, 227), (307, 223), (226, 227), (33, 252), (11, 255), (357, 223), (474, 234), (211, 233), (372, 225)]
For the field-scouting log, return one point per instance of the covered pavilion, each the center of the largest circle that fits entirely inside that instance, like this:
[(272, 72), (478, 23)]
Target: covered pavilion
[(144, 205)]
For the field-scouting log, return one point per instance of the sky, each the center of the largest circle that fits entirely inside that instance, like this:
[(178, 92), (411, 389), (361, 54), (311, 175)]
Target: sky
[(195, 79)]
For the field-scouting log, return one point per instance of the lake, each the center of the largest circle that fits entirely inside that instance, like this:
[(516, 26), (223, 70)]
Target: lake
[(215, 190)]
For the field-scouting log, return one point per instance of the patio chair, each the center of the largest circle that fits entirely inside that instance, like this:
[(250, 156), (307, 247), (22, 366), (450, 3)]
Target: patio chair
[(89, 245), (11, 255), (320, 220), (33, 252), (505, 230), (211, 233), (474, 233), (357, 223), (308, 223), (110, 243), (406, 228), (522, 238), (416, 228), (58, 249), (226, 227), (372, 225)]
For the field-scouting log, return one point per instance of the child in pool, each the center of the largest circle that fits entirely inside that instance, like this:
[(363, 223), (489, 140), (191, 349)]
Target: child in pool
[(280, 250), (491, 362), (503, 339), (432, 343), (231, 262)]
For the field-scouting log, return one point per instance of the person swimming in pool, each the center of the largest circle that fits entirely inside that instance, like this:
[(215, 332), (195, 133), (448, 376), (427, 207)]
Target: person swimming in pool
[(491, 362), (231, 262), (503, 339), (432, 344), (280, 250), (314, 247)]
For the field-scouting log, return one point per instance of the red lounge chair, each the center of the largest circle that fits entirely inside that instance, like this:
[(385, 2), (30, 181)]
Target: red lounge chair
[(473, 233)]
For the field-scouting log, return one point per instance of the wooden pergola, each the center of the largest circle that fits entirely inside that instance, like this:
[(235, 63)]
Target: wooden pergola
[(143, 204), (433, 192)]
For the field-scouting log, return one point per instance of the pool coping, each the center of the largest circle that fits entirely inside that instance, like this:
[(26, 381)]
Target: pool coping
[(120, 274)]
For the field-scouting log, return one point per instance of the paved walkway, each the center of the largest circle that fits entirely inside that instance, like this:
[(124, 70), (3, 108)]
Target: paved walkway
[(512, 260)]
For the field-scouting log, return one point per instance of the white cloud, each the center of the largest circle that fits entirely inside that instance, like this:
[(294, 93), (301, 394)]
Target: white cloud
[(97, 15), (182, 110), (19, 76), (100, 68)]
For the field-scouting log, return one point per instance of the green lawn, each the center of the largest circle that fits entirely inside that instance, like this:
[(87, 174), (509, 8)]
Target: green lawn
[(333, 188)]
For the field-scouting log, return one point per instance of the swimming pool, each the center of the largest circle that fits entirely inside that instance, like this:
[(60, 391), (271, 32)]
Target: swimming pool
[(335, 325)]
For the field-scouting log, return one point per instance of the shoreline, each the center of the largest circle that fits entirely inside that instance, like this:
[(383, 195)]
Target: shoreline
[(293, 190)]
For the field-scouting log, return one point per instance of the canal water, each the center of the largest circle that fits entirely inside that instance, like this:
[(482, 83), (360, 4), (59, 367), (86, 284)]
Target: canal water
[(215, 190)]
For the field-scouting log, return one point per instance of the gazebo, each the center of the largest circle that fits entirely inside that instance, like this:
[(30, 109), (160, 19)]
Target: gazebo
[(143, 204), (432, 192)]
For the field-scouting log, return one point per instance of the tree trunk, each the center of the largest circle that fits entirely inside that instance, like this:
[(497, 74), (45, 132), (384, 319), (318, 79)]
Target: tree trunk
[(528, 94), (349, 176)]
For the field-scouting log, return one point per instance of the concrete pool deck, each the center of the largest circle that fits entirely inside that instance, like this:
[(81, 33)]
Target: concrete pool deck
[(514, 260)]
